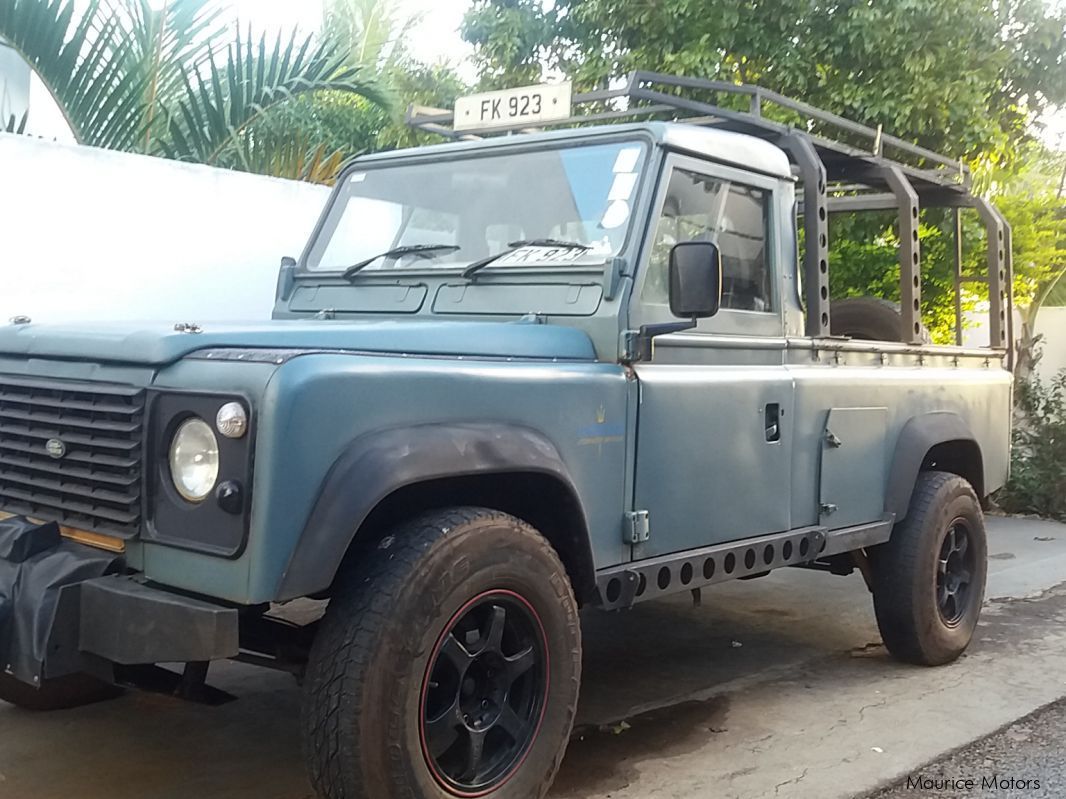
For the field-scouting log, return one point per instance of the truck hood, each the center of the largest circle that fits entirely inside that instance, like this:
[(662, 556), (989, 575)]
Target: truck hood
[(159, 344)]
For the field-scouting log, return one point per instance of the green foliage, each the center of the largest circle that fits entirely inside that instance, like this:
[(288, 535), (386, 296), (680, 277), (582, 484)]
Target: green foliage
[(1038, 220), (210, 117), (866, 264), (517, 39), (78, 59), (966, 76), (372, 35), (1056, 295), (129, 76), (1038, 459)]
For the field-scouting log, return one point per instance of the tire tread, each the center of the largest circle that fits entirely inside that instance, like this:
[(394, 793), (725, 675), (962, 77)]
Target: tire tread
[(367, 589), (897, 597)]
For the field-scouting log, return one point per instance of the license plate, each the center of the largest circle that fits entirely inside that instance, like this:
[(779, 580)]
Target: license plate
[(531, 105), (545, 256)]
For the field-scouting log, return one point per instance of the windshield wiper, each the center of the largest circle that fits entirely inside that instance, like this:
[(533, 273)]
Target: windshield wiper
[(514, 246), (422, 250)]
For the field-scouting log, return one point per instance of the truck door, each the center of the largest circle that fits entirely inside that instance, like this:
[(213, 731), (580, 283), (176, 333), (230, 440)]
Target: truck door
[(714, 425)]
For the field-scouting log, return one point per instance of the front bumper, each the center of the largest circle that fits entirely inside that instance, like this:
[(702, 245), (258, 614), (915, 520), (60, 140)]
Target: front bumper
[(67, 608)]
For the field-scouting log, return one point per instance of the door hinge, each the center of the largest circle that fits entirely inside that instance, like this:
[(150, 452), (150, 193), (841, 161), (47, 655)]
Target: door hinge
[(637, 528), (630, 345), (832, 440)]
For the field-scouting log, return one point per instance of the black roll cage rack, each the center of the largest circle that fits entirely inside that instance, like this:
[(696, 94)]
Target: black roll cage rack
[(836, 177)]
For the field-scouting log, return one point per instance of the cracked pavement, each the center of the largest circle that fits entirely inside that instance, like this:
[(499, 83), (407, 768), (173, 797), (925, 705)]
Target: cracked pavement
[(773, 688)]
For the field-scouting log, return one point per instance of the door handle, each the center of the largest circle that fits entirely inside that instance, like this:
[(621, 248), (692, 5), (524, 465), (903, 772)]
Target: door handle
[(772, 422)]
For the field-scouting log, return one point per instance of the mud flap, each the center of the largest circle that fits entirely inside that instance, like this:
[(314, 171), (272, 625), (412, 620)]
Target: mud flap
[(39, 577)]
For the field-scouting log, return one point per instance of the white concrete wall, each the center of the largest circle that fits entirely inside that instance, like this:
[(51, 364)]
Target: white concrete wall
[(89, 234), (1051, 322)]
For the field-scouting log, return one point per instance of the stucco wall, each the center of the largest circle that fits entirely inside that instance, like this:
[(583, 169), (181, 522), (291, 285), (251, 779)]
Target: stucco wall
[(89, 234), (1051, 322)]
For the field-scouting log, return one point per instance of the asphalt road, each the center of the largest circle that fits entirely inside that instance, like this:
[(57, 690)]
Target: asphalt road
[(773, 688), (1027, 759)]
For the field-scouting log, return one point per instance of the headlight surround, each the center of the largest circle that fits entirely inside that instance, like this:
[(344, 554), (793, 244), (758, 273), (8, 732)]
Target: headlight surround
[(193, 459)]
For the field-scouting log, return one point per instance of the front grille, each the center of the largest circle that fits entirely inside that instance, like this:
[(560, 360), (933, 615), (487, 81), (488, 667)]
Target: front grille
[(71, 453)]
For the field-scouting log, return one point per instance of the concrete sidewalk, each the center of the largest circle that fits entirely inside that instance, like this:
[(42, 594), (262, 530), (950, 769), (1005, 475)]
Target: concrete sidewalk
[(775, 687)]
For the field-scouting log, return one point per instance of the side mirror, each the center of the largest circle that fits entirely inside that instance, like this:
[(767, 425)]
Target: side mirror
[(695, 279)]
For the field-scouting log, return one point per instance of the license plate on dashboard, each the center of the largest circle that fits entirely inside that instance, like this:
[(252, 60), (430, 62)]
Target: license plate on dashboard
[(531, 105)]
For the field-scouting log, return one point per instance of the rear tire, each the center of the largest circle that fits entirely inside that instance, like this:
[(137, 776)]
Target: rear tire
[(929, 579), (459, 631), (61, 693)]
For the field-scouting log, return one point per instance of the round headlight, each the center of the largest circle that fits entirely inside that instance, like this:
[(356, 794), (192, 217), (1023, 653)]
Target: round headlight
[(194, 459), (231, 420)]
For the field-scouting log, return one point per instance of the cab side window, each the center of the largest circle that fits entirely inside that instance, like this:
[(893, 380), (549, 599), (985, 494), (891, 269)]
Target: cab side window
[(733, 216)]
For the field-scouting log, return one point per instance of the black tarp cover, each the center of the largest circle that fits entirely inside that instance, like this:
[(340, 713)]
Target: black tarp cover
[(36, 564)]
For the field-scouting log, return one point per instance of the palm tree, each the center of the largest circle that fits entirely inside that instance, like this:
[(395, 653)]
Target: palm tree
[(164, 81), (373, 32)]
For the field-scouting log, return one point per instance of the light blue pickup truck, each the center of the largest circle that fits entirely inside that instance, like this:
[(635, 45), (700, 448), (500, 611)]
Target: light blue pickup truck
[(509, 377)]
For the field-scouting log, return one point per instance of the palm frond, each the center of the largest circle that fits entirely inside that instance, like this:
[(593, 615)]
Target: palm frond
[(80, 59), (162, 43), (374, 33), (221, 100), (292, 158)]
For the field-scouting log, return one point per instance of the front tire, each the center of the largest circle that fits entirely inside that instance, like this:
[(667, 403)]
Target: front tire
[(447, 665), (929, 579)]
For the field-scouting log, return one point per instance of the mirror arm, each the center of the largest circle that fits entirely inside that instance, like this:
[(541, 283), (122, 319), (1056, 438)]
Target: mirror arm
[(649, 332), (286, 279)]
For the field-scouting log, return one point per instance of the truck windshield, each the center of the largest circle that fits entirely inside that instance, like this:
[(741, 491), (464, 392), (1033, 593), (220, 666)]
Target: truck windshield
[(475, 207)]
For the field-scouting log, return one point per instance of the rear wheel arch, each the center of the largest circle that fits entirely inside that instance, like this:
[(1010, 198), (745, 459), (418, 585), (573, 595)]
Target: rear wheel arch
[(960, 456), (938, 441)]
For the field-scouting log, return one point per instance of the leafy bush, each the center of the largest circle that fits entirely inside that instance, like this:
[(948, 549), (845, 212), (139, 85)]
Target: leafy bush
[(1038, 460)]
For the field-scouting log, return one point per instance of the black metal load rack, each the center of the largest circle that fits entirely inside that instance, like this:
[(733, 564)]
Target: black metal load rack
[(837, 177)]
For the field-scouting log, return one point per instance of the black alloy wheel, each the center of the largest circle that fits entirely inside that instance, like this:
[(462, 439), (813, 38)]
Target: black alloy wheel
[(955, 570), (484, 693)]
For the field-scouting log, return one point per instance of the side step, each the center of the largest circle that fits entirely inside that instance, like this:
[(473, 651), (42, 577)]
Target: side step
[(624, 585)]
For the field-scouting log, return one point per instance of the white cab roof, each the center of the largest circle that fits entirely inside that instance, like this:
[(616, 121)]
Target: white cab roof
[(747, 152)]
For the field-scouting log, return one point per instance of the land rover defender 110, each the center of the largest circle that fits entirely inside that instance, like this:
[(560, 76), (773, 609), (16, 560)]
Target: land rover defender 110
[(511, 376)]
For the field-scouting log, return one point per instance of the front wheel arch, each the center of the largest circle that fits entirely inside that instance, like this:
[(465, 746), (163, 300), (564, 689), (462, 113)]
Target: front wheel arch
[(542, 501), (376, 466)]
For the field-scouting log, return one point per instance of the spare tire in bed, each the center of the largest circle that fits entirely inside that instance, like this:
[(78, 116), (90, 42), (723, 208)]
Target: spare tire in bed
[(867, 319)]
